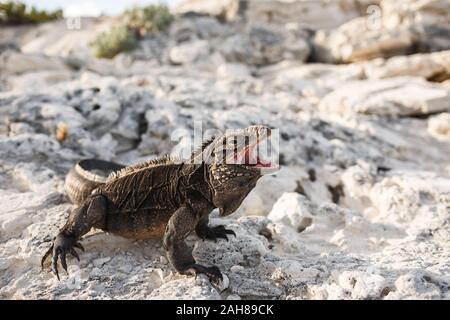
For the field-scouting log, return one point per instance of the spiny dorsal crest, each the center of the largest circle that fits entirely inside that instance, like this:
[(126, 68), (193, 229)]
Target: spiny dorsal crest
[(198, 151), (140, 166), (167, 159)]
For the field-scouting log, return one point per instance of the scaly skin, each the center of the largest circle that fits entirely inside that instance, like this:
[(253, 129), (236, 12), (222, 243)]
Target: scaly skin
[(163, 199)]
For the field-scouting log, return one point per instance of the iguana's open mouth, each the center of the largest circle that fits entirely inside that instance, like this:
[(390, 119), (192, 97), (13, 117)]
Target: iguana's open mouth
[(252, 157)]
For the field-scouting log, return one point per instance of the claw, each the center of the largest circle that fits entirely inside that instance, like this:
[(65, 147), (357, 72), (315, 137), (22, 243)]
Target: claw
[(79, 246), (213, 272), (75, 254), (44, 258), (223, 236), (62, 245), (216, 232), (63, 261), (231, 232), (222, 232), (55, 264)]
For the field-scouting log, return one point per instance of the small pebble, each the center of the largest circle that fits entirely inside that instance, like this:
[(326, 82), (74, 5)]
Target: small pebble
[(163, 260)]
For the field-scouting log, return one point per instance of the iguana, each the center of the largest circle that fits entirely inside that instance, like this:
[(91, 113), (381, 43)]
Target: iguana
[(163, 198)]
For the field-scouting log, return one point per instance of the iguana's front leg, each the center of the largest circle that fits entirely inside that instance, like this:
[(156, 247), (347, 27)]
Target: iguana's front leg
[(204, 231), (91, 214), (179, 254)]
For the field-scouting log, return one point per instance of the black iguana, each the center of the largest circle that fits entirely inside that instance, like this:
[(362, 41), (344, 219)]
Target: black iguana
[(163, 198)]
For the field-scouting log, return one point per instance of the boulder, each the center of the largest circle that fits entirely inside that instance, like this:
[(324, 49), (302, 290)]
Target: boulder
[(198, 28), (430, 19), (224, 10), (357, 40), (261, 45), (319, 14), (402, 96), (432, 66), (13, 62), (393, 28), (292, 209), (189, 52)]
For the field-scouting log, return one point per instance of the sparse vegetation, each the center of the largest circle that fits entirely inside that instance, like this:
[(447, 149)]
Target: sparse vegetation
[(17, 13), (152, 18), (119, 39), (136, 23)]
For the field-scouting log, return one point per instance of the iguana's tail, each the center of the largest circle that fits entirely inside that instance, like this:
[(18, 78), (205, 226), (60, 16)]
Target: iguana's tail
[(87, 175)]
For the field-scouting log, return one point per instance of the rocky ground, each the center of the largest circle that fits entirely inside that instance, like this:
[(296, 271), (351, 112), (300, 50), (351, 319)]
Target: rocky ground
[(360, 208)]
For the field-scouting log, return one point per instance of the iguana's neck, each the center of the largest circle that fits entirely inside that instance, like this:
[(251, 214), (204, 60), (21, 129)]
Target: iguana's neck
[(196, 176)]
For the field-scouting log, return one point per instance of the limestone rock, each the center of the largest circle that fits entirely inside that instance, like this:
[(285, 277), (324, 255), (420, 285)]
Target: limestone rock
[(223, 9), (13, 62), (357, 40), (310, 14), (392, 29), (432, 66), (261, 45), (395, 97), (189, 53), (191, 289)]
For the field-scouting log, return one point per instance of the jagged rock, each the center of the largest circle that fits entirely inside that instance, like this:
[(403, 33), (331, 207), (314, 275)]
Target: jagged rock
[(188, 53), (392, 29), (261, 45), (313, 80), (225, 10), (310, 14), (191, 289), (198, 28), (415, 285), (432, 66), (358, 40), (290, 209), (13, 62), (401, 96)]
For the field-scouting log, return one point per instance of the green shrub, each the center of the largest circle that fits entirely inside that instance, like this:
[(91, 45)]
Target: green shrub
[(152, 18), (16, 13), (118, 39)]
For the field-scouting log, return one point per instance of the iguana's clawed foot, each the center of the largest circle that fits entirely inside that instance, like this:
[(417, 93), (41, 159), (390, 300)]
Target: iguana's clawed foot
[(213, 273), (212, 233), (61, 246)]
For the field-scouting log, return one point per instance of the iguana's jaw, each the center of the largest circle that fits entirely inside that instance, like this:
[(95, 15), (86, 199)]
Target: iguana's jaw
[(248, 149), (251, 158)]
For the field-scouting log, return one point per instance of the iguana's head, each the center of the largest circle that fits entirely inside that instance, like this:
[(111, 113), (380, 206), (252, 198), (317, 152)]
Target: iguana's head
[(236, 162)]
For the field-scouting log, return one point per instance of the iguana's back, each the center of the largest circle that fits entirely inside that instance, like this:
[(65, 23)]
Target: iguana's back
[(142, 199)]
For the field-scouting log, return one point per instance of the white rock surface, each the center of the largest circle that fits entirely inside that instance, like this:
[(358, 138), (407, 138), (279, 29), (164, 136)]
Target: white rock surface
[(389, 29), (223, 9), (434, 66), (189, 53), (320, 14), (396, 97)]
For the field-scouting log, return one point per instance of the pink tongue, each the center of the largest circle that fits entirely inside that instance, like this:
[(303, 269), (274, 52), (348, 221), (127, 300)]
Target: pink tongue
[(262, 163)]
